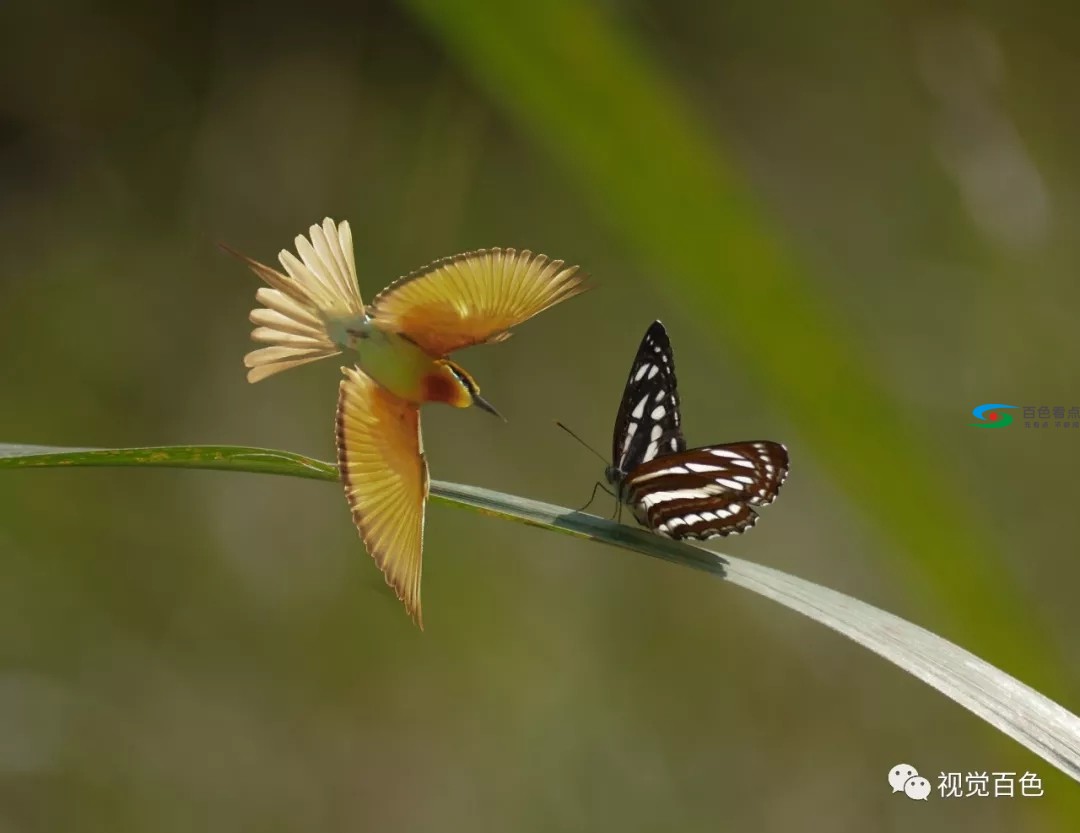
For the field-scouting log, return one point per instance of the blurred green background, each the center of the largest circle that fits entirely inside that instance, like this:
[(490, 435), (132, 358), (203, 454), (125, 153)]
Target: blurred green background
[(856, 221)]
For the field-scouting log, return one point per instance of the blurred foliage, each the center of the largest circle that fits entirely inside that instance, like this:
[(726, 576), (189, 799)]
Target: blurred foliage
[(855, 220)]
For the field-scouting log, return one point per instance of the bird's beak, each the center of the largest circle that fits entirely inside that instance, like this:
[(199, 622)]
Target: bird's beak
[(480, 402)]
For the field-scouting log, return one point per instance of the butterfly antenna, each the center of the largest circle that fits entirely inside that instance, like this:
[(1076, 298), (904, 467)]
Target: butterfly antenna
[(576, 437)]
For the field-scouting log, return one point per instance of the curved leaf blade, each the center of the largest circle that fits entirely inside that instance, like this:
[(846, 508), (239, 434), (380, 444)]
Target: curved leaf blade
[(1017, 710)]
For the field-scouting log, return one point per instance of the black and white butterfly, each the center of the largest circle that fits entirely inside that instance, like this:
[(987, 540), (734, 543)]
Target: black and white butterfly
[(697, 493)]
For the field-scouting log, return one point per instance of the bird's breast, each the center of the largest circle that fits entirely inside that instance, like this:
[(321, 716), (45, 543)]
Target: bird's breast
[(396, 363)]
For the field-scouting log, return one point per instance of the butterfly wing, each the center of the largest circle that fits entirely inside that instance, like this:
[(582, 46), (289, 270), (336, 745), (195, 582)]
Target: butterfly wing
[(707, 492), (473, 298), (382, 465), (647, 424), (319, 285)]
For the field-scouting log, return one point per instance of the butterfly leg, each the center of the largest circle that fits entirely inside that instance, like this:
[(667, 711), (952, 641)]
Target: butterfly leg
[(592, 497)]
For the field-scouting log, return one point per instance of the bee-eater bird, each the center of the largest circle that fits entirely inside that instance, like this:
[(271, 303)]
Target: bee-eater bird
[(399, 345)]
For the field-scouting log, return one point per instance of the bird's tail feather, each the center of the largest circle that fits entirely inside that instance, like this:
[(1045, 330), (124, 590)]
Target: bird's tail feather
[(318, 286)]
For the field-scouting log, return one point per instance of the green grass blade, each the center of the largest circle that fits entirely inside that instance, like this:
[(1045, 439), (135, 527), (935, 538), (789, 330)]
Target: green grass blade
[(1013, 708)]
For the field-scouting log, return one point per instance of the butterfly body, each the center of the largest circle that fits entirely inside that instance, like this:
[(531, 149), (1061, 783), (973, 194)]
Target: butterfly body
[(694, 493), (398, 345)]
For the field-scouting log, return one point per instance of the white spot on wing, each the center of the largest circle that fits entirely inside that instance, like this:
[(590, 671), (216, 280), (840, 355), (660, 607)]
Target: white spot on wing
[(641, 478), (658, 412), (653, 498), (639, 409)]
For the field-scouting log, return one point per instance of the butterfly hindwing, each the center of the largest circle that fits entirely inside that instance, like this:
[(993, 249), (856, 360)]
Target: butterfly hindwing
[(706, 492)]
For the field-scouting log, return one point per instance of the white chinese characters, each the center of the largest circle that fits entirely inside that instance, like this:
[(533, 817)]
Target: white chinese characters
[(989, 785)]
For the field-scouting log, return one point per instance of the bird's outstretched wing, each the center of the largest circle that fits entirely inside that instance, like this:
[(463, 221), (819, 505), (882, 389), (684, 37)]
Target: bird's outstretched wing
[(320, 285), (473, 298), (381, 460)]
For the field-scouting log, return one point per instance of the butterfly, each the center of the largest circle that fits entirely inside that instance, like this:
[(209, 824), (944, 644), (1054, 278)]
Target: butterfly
[(398, 345), (679, 493)]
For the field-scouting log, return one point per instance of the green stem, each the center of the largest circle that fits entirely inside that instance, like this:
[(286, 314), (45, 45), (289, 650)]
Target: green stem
[(1015, 709)]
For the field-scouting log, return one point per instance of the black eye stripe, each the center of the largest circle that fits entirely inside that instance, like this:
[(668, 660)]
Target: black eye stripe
[(464, 378)]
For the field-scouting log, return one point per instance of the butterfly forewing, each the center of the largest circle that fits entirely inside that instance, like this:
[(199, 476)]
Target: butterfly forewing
[(700, 493), (648, 420)]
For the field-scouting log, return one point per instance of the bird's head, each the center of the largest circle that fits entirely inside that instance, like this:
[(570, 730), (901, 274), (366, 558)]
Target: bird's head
[(452, 384)]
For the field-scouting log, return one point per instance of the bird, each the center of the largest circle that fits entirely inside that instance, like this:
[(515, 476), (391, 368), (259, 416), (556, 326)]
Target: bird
[(398, 347), (681, 493)]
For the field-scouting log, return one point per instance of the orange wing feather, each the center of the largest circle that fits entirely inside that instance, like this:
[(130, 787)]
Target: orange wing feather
[(473, 298), (382, 465)]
